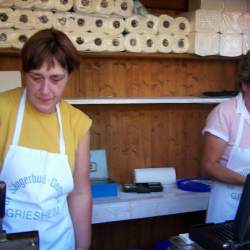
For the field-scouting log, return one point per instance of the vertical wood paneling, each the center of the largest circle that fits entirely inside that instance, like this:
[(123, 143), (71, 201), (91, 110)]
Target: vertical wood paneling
[(148, 136), (151, 77)]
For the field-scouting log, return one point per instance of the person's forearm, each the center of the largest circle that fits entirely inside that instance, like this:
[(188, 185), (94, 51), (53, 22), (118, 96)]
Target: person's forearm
[(80, 206), (220, 173)]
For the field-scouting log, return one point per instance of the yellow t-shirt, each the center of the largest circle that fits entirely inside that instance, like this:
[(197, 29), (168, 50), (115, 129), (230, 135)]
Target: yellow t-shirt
[(39, 130)]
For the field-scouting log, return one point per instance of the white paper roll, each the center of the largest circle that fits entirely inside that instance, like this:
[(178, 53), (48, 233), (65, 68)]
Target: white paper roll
[(149, 44), (133, 42), (150, 24), (114, 26), (79, 39), (165, 175), (230, 45), (44, 5), (115, 43), (85, 6), (165, 24), (230, 22), (6, 3), (204, 44), (43, 19), (64, 21), (63, 5), (24, 19), (97, 42), (82, 22), (180, 44), (24, 4), (124, 7), (7, 18), (104, 6), (6, 36), (20, 37), (164, 43), (98, 23), (181, 26), (134, 24)]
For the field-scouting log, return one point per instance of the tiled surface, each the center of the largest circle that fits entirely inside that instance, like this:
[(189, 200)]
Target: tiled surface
[(127, 206)]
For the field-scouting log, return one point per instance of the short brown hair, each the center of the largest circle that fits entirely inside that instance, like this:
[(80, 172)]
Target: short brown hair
[(244, 70), (47, 45)]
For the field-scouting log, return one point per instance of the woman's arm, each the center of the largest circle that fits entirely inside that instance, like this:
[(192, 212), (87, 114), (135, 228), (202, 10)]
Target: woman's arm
[(80, 201), (212, 151)]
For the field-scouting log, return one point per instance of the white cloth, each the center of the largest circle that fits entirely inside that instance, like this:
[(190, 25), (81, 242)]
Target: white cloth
[(37, 186), (224, 198)]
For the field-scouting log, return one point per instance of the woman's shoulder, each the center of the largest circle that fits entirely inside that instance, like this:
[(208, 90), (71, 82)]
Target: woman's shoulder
[(10, 98), (228, 107), (74, 113), (12, 93)]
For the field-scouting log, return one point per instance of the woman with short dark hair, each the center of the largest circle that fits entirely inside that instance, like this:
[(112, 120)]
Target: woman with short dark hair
[(44, 148)]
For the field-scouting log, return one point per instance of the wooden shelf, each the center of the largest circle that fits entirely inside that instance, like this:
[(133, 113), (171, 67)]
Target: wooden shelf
[(131, 55), (146, 100)]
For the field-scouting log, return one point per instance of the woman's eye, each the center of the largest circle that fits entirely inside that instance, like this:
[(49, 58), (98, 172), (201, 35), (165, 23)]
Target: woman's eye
[(36, 78), (56, 79)]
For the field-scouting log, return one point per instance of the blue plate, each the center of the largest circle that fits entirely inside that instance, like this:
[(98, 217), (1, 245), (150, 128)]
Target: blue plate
[(194, 184)]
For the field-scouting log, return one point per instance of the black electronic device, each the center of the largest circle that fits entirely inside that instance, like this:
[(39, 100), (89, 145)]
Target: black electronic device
[(234, 234), (222, 94), (145, 187)]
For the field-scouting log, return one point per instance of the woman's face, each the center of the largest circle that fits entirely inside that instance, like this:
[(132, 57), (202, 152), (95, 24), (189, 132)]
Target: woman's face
[(45, 86)]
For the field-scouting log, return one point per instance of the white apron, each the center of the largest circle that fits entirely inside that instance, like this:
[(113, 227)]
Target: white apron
[(224, 198), (37, 186)]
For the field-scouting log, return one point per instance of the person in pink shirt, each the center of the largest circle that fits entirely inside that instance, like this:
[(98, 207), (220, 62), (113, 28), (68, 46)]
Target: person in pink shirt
[(226, 151)]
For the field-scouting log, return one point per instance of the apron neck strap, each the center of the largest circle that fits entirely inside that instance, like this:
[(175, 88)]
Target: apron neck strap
[(19, 121), (61, 139)]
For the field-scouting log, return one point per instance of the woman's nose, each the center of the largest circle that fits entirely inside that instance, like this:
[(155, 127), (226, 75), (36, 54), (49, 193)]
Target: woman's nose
[(45, 87)]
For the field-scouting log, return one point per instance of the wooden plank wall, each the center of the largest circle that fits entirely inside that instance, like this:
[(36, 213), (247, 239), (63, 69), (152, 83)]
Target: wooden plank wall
[(138, 136), (156, 135)]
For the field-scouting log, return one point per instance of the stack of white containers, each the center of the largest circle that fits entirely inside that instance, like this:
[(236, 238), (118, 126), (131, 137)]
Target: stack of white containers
[(20, 19), (99, 24), (219, 27), (150, 33), (95, 25)]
